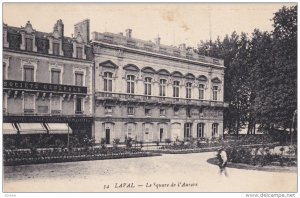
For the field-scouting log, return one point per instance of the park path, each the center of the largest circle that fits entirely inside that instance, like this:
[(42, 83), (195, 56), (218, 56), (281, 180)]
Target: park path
[(167, 173)]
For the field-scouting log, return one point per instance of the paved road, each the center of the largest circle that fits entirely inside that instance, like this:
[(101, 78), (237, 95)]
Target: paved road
[(164, 173)]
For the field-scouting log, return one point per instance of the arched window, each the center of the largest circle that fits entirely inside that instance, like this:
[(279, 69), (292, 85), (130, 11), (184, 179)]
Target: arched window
[(188, 90), (176, 89), (130, 84), (215, 92), (108, 81), (162, 87), (201, 91), (187, 130), (148, 86), (200, 130), (215, 129)]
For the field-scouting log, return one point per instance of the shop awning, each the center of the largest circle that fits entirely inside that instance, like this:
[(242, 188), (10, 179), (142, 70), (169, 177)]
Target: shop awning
[(31, 128), (58, 128), (9, 129)]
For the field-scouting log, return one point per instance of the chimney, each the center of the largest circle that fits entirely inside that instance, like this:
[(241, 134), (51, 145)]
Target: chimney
[(83, 28), (128, 33), (157, 40)]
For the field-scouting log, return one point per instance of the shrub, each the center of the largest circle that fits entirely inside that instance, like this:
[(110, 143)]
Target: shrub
[(116, 142), (26, 143), (9, 143), (103, 143), (168, 141), (128, 142), (59, 143)]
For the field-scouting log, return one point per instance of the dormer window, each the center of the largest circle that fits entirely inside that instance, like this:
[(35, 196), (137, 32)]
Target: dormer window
[(56, 49), (29, 44), (79, 52), (28, 38)]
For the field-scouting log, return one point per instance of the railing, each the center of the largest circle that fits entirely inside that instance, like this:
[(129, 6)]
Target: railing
[(156, 99)]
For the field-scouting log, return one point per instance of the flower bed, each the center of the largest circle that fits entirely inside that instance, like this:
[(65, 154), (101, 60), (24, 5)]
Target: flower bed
[(39, 156)]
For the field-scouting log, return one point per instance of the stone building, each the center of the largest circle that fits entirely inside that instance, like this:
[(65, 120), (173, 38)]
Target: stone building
[(47, 81), (151, 92), (110, 86)]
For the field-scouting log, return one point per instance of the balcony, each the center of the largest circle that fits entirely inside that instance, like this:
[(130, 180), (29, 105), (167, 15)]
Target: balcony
[(143, 99)]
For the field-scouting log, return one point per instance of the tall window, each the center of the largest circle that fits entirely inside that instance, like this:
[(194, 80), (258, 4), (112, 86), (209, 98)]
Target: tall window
[(187, 130), (188, 112), (55, 105), (55, 76), (108, 81), (28, 44), (200, 130), (176, 89), (148, 86), (78, 52), (78, 79), (130, 84), (162, 87), (28, 73), (215, 92), (201, 91), (4, 71), (215, 129), (29, 104), (147, 112), (78, 106), (188, 90), (56, 49)]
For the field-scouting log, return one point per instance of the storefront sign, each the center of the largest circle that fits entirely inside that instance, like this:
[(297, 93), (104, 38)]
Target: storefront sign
[(37, 86), (45, 119)]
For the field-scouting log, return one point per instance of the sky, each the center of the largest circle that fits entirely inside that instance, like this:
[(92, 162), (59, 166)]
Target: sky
[(175, 23)]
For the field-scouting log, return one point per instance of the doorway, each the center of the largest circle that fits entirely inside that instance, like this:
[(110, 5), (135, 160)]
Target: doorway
[(161, 134), (107, 136)]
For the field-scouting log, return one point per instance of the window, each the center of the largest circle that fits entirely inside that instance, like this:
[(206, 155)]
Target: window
[(176, 111), (215, 92), (55, 76), (78, 52), (162, 112), (108, 110), (78, 106), (130, 84), (130, 130), (4, 71), (188, 112), (176, 89), (188, 90), (28, 44), (148, 86), (28, 74), (29, 104), (56, 49), (215, 129), (130, 111), (147, 112), (201, 112), (200, 130), (108, 81), (162, 87), (78, 79), (187, 130), (201, 91), (55, 105)]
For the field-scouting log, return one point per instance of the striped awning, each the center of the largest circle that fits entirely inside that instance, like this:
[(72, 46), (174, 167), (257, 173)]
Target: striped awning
[(31, 128), (58, 128), (9, 129)]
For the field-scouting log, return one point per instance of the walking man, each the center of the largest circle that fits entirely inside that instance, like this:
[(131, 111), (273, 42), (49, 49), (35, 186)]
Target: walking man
[(222, 157)]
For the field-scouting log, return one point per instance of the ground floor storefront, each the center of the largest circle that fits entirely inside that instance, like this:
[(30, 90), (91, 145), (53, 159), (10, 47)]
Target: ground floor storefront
[(24, 131)]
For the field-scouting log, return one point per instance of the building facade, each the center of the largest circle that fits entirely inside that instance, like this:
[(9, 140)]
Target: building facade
[(107, 87), (152, 92), (47, 81)]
